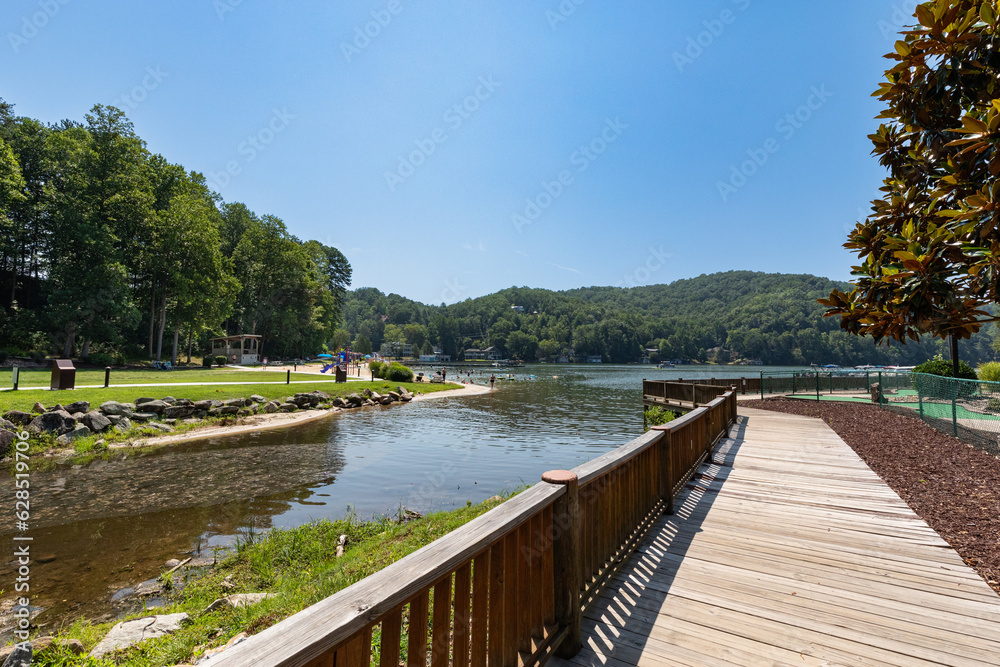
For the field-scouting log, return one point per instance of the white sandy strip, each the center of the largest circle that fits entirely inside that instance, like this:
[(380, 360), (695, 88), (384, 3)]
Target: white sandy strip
[(278, 420)]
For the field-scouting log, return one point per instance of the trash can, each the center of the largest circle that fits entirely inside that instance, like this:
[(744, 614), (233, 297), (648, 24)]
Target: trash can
[(63, 374), (340, 374)]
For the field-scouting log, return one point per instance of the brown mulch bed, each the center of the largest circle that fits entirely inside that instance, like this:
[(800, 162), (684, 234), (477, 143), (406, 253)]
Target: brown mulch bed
[(952, 486)]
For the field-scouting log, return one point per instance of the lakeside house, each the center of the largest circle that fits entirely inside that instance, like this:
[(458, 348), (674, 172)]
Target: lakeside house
[(396, 350), (245, 347), (437, 355), (489, 354)]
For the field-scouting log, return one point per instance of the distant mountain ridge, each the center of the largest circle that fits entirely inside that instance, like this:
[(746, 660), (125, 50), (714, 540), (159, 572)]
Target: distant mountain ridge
[(770, 317)]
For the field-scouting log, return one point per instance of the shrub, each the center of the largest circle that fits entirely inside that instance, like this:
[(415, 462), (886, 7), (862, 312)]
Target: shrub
[(657, 416), (221, 360), (942, 367), (207, 361), (377, 368), (101, 359), (989, 372), (398, 373)]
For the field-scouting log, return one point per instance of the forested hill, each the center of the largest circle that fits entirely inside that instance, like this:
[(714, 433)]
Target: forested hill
[(724, 316)]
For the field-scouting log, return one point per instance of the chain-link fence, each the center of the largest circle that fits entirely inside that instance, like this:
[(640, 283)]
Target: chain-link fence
[(826, 383)]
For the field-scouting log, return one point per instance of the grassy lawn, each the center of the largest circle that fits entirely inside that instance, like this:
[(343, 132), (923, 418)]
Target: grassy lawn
[(39, 377), (298, 566)]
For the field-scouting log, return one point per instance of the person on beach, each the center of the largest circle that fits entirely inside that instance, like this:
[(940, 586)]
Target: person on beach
[(493, 378), (265, 363)]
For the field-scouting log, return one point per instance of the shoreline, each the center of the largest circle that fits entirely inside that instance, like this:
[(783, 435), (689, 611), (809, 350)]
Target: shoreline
[(276, 420)]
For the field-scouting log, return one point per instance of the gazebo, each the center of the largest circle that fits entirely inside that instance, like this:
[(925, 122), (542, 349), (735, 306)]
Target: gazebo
[(246, 348)]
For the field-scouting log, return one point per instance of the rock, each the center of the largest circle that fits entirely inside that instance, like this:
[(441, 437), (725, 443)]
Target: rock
[(172, 563), (7, 425), (42, 645), (38, 408), (339, 402), (406, 398), (369, 402), (79, 406), (7, 439), (227, 583), (288, 407), (386, 400), (237, 601), (148, 588), (159, 427), (367, 392), (374, 395), (81, 431), (20, 655), (96, 421), (114, 419), (238, 402), (115, 408), (124, 425), (169, 399), (58, 422), (57, 406), (244, 412), (178, 411), (257, 398), (77, 416), (153, 406), (203, 405), (144, 416), (144, 399), (207, 655), (354, 399), (127, 633), (394, 396), (198, 414), (18, 417), (183, 401), (271, 406)]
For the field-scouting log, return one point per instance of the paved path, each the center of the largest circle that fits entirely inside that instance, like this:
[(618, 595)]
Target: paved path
[(792, 553)]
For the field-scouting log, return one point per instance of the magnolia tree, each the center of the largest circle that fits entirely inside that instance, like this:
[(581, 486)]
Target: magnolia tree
[(930, 250)]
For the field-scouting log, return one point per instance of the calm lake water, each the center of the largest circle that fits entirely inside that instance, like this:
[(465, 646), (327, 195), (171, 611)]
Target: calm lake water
[(109, 525)]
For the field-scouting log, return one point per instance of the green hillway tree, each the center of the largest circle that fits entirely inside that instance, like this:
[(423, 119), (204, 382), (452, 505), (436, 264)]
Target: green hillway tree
[(930, 250)]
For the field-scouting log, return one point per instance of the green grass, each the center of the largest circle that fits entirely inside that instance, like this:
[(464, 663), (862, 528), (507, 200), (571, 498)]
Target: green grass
[(297, 565), (40, 377)]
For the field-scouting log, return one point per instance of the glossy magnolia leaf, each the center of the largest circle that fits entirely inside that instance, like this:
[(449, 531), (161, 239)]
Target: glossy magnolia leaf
[(987, 14)]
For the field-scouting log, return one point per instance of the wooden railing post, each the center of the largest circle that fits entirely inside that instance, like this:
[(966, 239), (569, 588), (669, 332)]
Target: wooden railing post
[(666, 469), (567, 566)]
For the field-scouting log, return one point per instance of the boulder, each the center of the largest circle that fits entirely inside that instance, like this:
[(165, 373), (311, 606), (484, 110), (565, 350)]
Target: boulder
[(80, 431), (228, 410), (257, 398), (322, 395), (271, 406), (198, 414), (20, 655), (58, 422), (79, 406), (54, 408), (7, 439), (153, 405), (38, 408), (159, 427), (115, 408), (169, 399), (204, 405), (144, 416), (238, 402), (179, 411), (367, 392), (386, 400), (375, 396), (394, 396), (237, 601), (127, 633), (354, 399), (183, 401), (144, 399), (288, 407), (18, 417), (7, 425), (370, 402), (339, 402), (96, 421), (77, 416), (124, 425)]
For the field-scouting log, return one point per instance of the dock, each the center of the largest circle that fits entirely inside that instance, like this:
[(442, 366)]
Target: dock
[(792, 551)]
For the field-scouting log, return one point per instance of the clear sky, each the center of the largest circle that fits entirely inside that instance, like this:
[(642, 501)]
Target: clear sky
[(453, 148)]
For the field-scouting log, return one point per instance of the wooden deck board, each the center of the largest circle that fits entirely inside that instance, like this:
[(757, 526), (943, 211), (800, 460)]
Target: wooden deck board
[(792, 552)]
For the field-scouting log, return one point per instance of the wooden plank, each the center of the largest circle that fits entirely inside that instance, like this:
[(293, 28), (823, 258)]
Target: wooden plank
[(510, 599), (441, 627), (391, 638), (417, 635), (463, 625), (480, 607), (497, 631)]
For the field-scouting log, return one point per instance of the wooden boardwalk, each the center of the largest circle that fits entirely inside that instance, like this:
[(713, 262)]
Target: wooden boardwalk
[(791, 553)]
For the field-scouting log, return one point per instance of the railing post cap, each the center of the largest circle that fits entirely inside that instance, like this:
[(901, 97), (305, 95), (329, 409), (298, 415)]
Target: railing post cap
[(661, 427), (559, 477)]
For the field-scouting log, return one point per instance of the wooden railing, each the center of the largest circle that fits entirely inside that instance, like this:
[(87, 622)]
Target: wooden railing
[(682, 392), (509, 587), (744, 385)]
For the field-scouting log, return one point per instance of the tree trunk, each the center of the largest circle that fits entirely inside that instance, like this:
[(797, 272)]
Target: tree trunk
[(152, 318), (162, 325), (70, 336), (173, 355), (954, 356), (190, 342), (86, 348)]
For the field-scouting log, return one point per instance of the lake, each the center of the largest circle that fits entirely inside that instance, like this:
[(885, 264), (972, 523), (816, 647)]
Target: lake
[(106, 526)]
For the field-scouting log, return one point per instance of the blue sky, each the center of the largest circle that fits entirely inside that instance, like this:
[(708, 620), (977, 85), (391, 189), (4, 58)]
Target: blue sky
[(454, 148)]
